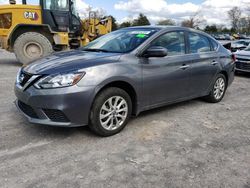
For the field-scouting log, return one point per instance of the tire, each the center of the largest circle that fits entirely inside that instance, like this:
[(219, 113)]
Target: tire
[(31, 46), (218, 91), (103, 115)]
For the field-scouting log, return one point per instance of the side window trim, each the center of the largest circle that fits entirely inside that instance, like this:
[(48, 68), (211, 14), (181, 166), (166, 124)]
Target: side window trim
[(187, 46)]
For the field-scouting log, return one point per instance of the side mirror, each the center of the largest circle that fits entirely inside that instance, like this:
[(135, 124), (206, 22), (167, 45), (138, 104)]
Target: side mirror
[(156, 51)]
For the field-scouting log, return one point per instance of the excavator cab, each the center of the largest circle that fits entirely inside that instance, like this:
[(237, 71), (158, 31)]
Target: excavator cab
[(61, 16)]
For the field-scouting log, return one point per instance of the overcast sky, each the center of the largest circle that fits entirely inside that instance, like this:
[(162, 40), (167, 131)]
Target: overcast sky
[(213, 11)]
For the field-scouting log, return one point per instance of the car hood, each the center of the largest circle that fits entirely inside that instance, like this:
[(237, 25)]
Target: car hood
[(238, 46), (69, 61), (243, 53)]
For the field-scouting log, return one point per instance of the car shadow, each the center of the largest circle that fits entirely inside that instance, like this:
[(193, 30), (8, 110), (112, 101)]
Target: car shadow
[(10, 62), (243, 74), (50, 132), (169, 107)]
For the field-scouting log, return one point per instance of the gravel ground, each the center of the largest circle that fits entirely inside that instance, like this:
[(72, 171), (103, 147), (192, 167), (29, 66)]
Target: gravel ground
[(191, 144)]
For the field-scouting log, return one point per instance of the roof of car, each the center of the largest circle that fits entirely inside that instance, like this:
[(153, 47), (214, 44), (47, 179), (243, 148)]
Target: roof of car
[(153, 27), (163, 27), (167, 27)]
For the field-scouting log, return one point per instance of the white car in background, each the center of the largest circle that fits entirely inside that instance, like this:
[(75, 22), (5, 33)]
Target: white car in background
[(239, 45), (243, 60)]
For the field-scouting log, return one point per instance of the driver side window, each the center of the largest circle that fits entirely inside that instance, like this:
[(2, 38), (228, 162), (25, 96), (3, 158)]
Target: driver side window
[(174, 42)]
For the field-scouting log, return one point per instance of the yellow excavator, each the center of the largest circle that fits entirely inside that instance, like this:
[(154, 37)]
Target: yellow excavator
[(35, 31)]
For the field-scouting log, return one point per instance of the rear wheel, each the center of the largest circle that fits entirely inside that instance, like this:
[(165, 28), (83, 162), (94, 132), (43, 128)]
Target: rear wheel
[(218, 91), (110, 112), (31, 46)]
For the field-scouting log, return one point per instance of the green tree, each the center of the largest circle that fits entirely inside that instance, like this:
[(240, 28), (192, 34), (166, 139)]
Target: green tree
[(211, 29), (166, 22), (141, 20), (225, 30), (125, 24), (114, 23)]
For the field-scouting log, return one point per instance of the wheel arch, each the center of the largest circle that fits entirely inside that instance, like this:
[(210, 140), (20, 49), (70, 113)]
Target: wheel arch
[(23, 28), (226, 75), (127, 87)]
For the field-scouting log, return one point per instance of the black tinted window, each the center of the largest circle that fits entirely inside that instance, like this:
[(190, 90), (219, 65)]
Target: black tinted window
[(174, 42), (198, 43)]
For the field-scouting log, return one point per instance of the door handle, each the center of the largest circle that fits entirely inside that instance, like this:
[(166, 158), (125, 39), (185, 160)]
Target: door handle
[(214, 62), (184, 67)]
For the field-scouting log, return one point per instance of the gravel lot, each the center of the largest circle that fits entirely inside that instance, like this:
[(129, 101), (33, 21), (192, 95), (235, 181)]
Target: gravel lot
[(191, 144)]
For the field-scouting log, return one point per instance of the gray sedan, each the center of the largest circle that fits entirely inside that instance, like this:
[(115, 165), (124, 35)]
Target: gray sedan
[(122, 74)]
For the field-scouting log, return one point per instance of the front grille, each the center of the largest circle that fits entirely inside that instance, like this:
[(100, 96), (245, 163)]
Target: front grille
[(28, 110), (56, 115), (242, 65), (242, 59)]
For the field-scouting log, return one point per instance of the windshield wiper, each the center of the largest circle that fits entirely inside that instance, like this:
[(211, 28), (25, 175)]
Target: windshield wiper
[(94, 50)]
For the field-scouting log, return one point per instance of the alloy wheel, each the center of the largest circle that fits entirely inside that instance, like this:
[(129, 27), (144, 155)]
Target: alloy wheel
[(219, 88), (113, 113)]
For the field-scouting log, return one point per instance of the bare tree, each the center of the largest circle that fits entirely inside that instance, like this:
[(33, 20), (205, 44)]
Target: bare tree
[(244, 24), (194, 21), (235, 15)]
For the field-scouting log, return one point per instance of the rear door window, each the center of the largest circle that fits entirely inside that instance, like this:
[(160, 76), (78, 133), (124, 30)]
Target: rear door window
[(214, 45), (198, 43)]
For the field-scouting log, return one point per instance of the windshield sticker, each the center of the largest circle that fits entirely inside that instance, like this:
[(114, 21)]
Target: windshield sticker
[(141, 35), (140, 32)]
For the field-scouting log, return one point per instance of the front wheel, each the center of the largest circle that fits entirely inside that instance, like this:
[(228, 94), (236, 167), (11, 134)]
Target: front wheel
[(110, 112), (218, 91)]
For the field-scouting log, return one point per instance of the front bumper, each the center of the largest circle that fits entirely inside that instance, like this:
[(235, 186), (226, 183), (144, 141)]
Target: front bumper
[(64, 107), (243, 66), (242, 70)]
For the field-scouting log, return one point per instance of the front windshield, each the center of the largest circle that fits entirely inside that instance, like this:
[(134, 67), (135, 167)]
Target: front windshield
[(121, 41), (61, 5), (73, 8)]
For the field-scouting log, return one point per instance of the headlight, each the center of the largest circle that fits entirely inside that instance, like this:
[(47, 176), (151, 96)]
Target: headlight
[(59, 80)]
